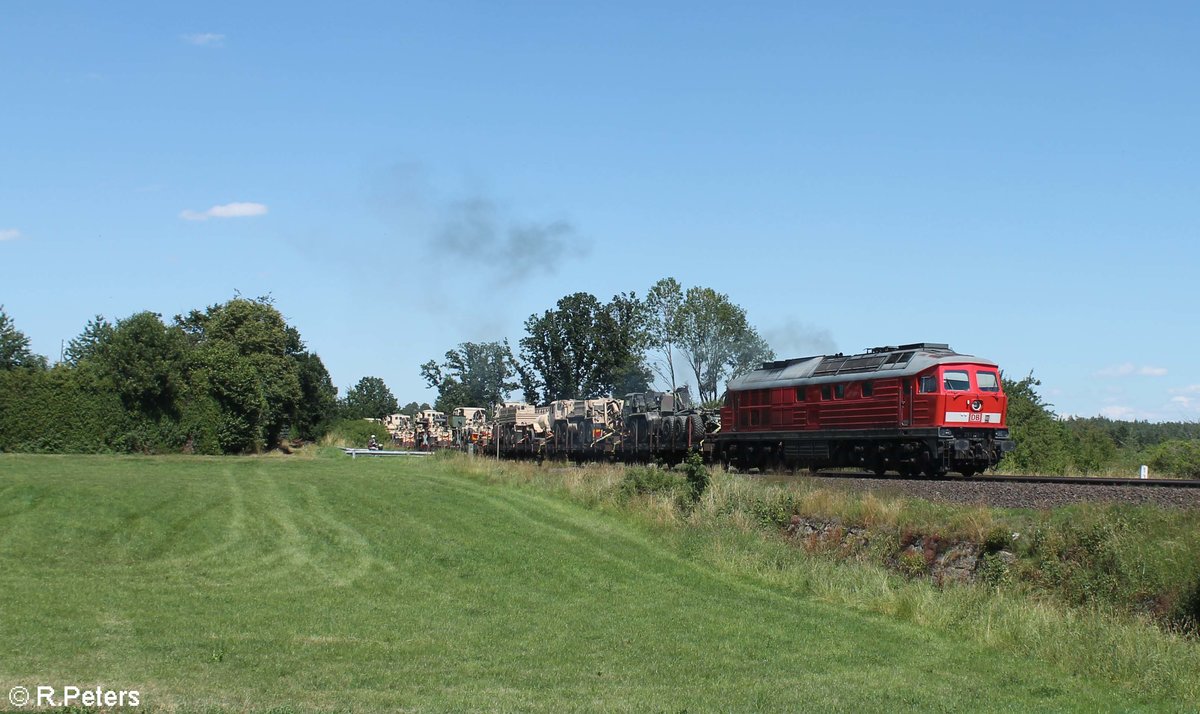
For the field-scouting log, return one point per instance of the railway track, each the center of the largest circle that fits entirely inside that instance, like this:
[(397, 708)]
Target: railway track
[(1070, 480), (1038, 492)]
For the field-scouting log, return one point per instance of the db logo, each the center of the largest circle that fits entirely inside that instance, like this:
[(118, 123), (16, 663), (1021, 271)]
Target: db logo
[(976, 405)]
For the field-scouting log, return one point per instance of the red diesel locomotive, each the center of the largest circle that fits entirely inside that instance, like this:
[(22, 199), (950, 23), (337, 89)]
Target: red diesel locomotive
[(910, 409)]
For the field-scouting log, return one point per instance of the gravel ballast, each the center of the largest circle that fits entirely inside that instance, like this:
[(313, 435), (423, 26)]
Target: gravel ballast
[(1016, 495)]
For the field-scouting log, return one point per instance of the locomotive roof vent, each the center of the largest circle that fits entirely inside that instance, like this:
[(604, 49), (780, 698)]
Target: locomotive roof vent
[(871, 360), (781, 363)]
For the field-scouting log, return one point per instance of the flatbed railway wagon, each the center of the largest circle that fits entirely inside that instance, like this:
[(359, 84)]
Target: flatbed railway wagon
[(916, 408)]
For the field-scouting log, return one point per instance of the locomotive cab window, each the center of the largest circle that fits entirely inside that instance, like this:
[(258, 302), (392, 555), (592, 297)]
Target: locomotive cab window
[(868, 388), (956, 380), (839, 391), (986, 381), (799, 394), (928, 384), (825, 392)]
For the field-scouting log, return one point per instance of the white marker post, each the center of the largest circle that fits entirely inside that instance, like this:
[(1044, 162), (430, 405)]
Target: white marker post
[(1144, 472)]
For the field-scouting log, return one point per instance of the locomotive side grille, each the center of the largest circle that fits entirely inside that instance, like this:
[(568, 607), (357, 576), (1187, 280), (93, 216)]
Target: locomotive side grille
[(818, 449)]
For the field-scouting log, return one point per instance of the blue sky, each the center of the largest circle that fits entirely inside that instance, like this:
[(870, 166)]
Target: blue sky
[(1020, 180)]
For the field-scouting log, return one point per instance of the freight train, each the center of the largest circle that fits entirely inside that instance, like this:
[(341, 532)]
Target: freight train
[(915, 408)]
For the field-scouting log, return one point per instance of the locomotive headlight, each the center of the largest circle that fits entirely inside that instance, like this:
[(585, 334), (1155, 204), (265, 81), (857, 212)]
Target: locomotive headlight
[(1002, 433), (944, 432)]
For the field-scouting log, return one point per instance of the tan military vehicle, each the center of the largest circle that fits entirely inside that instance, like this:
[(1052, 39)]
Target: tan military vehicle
[(520, 428), (583, 426), (432, 429), (400, 427), (469, 425)]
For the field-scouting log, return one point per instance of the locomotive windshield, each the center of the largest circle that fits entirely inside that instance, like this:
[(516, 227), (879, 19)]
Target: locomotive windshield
[(987, 381), (956, 380)]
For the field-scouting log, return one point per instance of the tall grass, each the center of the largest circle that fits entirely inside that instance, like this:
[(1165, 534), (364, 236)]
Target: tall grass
[(735, 528)]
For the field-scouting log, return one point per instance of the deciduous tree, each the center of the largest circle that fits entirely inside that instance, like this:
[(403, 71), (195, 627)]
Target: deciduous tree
[(662, 306), (717, 340), (476, 374), (1042, 442), (583, 349), (369, 399), (318, 397), (251, 361), (143, 358)]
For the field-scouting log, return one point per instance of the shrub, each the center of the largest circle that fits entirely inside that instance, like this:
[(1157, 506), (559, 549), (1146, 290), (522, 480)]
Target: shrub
[(696, 474), (1178, 457), (997, 539), (644, 480), (993, 569), (1186, 614), (912, 563), (775, 508), (354, 433)]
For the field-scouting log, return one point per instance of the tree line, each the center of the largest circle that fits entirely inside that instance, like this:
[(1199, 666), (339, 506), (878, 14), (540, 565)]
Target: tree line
[(232, 378), (1047, 444), (584, 348)]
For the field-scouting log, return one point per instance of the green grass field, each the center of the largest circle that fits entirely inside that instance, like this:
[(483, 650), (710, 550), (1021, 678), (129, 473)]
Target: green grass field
[(298, 584)]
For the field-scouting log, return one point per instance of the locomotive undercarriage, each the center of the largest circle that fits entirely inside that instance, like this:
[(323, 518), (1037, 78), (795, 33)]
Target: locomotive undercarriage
[(909, 452)]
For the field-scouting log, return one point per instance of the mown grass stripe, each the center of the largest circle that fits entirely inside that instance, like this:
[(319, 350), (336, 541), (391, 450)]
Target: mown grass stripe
[(251, 583)]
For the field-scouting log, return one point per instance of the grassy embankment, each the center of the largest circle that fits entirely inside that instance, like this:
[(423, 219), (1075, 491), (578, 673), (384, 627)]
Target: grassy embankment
[(330, 583)]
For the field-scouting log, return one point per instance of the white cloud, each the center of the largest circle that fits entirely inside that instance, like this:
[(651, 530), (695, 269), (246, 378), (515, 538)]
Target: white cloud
[(205, 39), (228, 210), (1118, 412), (9, 234), (1186, 399), (1129, 368)]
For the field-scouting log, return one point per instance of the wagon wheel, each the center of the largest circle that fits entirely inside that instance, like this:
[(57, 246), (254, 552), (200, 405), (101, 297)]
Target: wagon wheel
[(697, 428)]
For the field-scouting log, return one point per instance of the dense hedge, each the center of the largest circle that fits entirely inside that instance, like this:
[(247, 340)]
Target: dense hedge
[(57, 410)]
